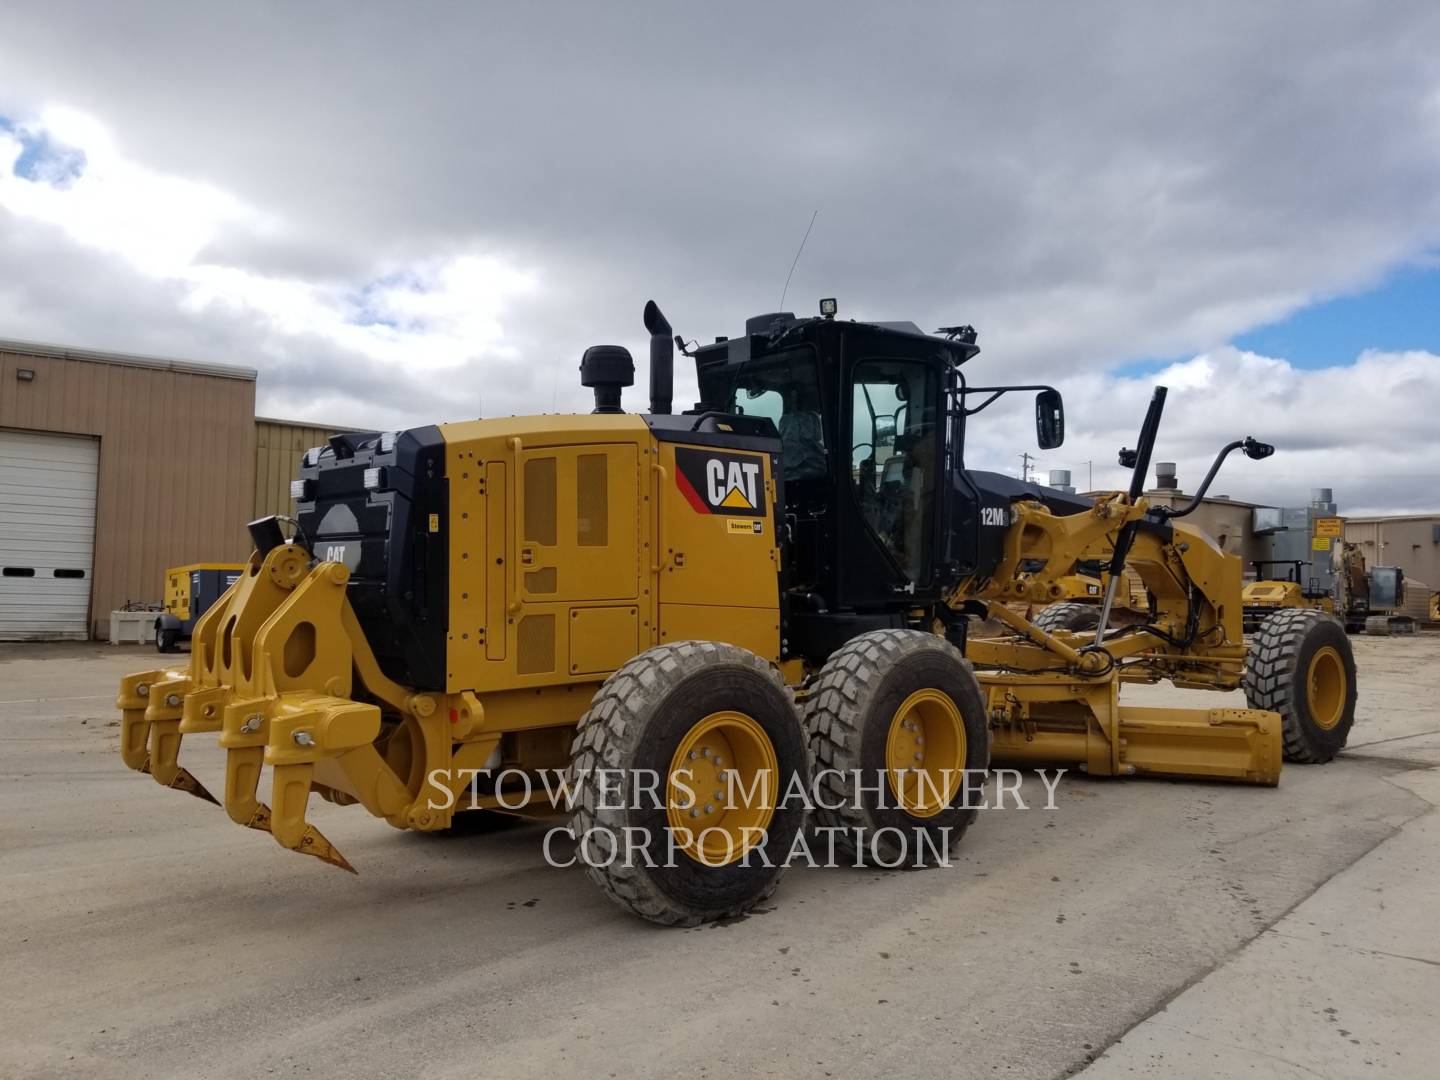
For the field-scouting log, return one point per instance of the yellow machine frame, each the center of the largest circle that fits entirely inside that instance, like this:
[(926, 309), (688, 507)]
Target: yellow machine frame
[(572, 550), (1043, 713)]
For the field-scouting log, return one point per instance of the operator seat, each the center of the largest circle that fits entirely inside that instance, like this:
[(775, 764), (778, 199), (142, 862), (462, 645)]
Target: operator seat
[(802, 445)]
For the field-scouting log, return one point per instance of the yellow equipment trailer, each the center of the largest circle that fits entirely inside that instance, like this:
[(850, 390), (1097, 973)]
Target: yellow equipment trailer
[(769, 591)]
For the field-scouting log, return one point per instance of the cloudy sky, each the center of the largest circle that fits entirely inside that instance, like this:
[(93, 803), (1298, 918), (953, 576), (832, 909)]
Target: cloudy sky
[(403, 214)]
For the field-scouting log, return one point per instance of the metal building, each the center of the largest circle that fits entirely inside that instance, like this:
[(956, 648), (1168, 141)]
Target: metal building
[(107, 482), (1227, 520), (279, 445), (1409, 541), (114, 467)]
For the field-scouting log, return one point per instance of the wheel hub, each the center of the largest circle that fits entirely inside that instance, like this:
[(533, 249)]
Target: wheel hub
[(721, 789), (925, 752), (1326, 687)]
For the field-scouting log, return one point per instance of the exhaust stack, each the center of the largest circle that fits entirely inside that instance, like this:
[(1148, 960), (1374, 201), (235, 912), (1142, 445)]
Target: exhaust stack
[(662, 359)]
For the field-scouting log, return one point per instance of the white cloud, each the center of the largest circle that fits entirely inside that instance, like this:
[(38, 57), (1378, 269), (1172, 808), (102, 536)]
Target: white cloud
[(1366, 429), (157, 223), (438, 313), (403, 228)]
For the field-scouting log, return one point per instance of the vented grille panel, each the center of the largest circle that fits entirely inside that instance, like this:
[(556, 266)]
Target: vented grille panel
[(540, 500), (592, 501), (535, 645), (540, 581)]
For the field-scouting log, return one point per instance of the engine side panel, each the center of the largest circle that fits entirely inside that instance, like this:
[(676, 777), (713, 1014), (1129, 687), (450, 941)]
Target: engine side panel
[(550, 550), (529, 553)]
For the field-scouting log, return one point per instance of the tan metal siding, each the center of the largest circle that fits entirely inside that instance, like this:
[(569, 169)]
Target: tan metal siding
[(1227, 522), (279, 446), (177, 460), (1408, 541)]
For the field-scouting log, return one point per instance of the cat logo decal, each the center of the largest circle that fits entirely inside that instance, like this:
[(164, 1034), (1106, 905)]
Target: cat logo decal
[(714, 482)]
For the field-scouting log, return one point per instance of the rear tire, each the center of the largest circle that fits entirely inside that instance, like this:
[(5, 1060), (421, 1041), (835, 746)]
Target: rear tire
[(1300, 665), (696, 695), (1068, 615), (865, 691), (166, 641)]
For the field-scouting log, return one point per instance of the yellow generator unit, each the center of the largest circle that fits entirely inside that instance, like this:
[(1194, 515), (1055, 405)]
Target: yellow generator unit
[(190, 591), (667, 626)]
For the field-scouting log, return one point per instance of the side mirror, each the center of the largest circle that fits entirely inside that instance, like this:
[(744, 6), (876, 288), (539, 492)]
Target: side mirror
[(884, 428), (1049, 419)]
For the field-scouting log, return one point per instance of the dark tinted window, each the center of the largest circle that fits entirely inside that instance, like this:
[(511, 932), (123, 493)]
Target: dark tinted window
[(895, 407)]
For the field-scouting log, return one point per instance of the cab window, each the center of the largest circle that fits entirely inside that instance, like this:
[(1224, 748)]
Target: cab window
[(894, 413), (785, 388)]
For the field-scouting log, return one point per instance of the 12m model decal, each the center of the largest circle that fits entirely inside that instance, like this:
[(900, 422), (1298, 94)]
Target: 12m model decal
[(714, 482)]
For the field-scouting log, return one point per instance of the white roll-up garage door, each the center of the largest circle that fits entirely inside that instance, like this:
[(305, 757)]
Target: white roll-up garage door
[(47, 534)]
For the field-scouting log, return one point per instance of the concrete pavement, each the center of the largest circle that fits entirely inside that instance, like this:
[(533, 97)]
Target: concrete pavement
[(1346, 985), (146, 936)]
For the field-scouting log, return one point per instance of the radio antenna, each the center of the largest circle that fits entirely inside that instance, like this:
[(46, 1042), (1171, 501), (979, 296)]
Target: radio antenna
[(796, 261)]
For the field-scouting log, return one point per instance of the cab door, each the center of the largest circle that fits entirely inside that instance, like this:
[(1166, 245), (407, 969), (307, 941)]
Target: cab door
[(893, 413)]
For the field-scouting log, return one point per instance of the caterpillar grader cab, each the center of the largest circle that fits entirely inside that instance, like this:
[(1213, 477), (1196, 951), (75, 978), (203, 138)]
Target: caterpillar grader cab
[(754, 613)]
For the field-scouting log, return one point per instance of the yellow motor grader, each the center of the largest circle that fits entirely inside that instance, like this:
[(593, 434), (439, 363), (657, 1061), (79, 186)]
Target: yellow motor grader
[(769, 591), (1271, 592)]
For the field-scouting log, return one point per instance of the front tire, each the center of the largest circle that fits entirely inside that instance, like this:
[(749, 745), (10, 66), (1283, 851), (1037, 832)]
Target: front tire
[(900, 708), (1300, 664), (166, 641), (696, 720), (1074, 615)]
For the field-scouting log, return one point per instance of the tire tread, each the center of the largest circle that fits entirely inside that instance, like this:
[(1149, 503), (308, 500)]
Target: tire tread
[(1271, 678), (607, 737), (835, 713)]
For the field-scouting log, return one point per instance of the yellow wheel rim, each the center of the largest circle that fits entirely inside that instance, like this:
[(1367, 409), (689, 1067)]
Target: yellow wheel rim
[(925, 752), (722, 788), (1326, 687)]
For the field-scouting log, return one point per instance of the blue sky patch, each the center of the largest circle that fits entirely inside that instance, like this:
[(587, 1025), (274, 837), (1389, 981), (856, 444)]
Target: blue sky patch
[(1402, 313), (365, 307), (42, 159)]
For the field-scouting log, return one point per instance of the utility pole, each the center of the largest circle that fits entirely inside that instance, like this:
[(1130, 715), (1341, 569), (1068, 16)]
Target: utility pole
[(1025, 460), (1090, 473)]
